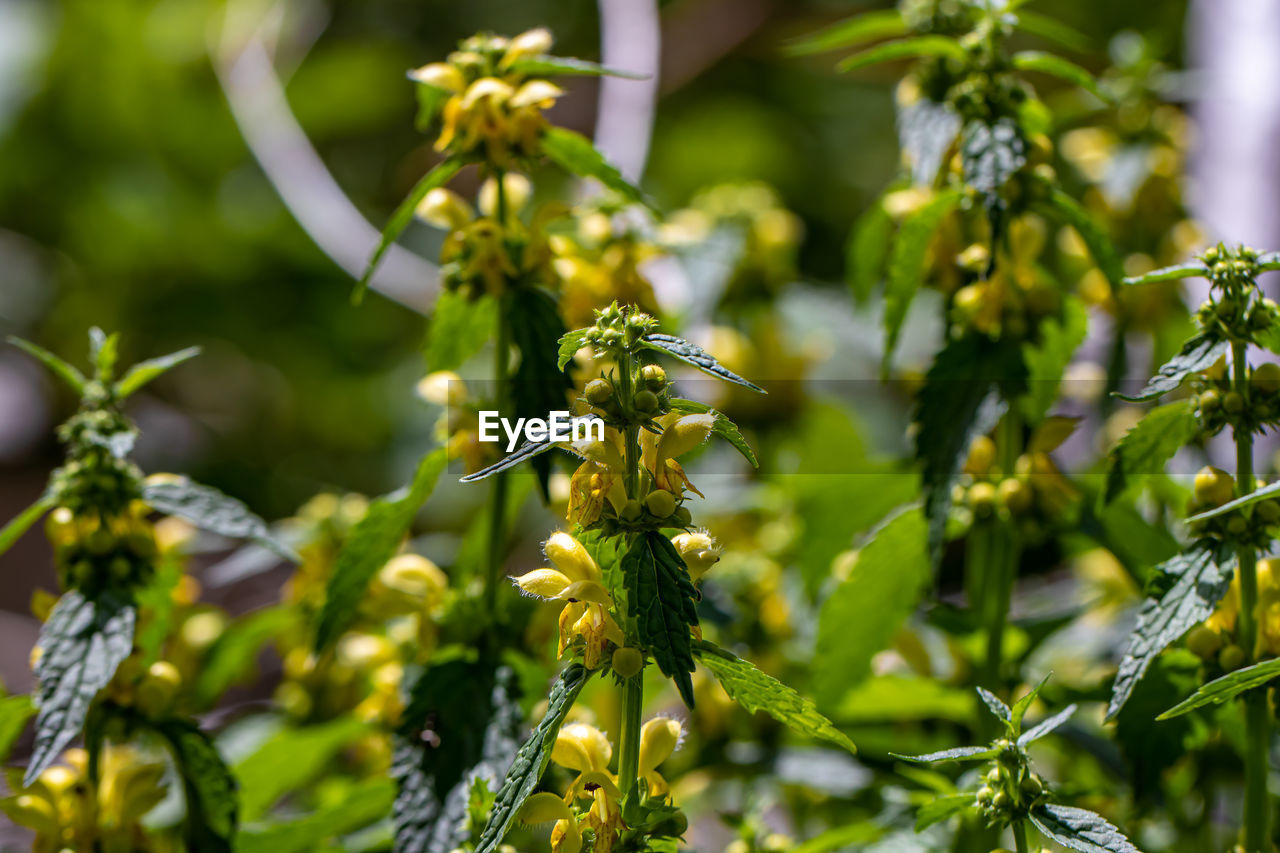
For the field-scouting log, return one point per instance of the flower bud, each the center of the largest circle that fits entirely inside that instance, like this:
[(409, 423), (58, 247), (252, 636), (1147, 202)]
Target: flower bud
[(440, 75), (416, 577), (544, 807), (543, 583), (1210, 401), (1231, 658), (487, 88), (658, 739), (698, 550), (582, 747), (982, 499), (445, 209), (627, 662), (1213, 487), (1266, 378), (536, 93), (529, 43), (631, 510), (515, 188), (1233, 403), (685, 435), (598, 392), (660, 503), (646, 402), (1015, 495), (653, 377), (1204, 642), (158, 688), (570, 557), (982, 455)]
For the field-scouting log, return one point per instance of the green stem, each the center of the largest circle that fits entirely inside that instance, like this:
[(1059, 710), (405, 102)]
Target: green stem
[(1020, 836), (498, 493), (629, 738), (631, 434), (1002, 561), (1257, 721)]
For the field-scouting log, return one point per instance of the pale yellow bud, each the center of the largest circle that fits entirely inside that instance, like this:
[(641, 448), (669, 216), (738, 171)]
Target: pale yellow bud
[(582, 747), (698, 550), (441, 75), (685, 435), (529, 43), (445, 209), (414, 576), (443, 388), (364, 651), (516, 187), (490, 88), (569, 556), (543, 583), (536, 93), (658, 739)]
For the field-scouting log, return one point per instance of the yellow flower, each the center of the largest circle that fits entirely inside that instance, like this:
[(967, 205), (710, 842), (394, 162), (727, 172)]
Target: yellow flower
[(659, 738), (576, 580)]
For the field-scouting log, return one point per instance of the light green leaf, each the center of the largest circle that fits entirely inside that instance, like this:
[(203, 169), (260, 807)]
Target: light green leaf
[(1080, 830), (60, 368), (861, 616), (1041, 62), (1019, 708), (907, 262), (907, 48), (1187, 270), (1197, 354), (1265, 493), (402, 216), (574, 153), (363, 804), (1046, 726), (696, 356), (757, 691), (459, 328), (234, 654), (209, 509), (14, 713), (21, 523), (290, 759), (867, 249), (564, 66), (1061, 206), (145, 371), (940, 808), (959, 753), (1226, 688), (570, 343), (1048, 358), (1144, 449), (850, 32)]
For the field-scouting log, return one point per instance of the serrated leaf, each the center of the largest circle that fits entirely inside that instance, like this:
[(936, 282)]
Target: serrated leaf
[(363, 804), (1227, 687), (1189, 269), (1048, 358), (963, 397), (660, 597), (544, 65), (14, 713), (574, 153), (850, 32), (1061, 206), (863, 613), (210, 789), (990, 154), (290, 759), (459, 328), (526, 451), (867, 248), (940, 808), (1197, 354), (22, 522), (1151, 443), (402, 216), (539, 385), (532, 758), (373, 541), (209, 509), (60, 368), (1040, 62), (696, 356), (757, 691), (1046, 726), (998, 709), (1262, 494), (907, 262), (722, 426), (1080, 829), (81, 646), (959, 753), (570, 343), (926, 131), (119, 443), (145, 371), (1200, 576), (907, 48)]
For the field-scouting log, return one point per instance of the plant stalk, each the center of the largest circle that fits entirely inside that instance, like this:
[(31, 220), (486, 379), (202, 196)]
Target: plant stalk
[(629, 738), (1020, 836), (1257, 734), (498, 493)]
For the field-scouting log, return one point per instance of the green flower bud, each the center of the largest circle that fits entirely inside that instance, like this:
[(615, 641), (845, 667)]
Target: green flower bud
[(660, 503)]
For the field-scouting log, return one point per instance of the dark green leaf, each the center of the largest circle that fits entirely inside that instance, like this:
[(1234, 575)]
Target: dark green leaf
[(1061, 206), (722, 427), (851, 32), (1200, 578), (21, 523), (532, 759), (863, 613), (290, 759), (1227, 687), (65, 371), (757, 691), (81, 646), (209, 787), (1262, 494), (209, 509), (539, 385), (14, 713), (145, 371), (959, 753), (907, 262), (1144, 449), (1046, 726), (1197, 354), (1048, 358), (403, 215), (867, 249), (459, 328), (528, 450), (907, 48), (661, 598), (940, 808), (372, 542), (574, 153), (1079, 829), (926, 131), (694, 355), (1055, 66), (1177, 271), (553, 66), (570, 343), (363, 804)]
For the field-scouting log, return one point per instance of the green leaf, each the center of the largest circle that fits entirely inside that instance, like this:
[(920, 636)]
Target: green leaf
[(1197, 354), (290, 759), (1185, 270), (539, 385), (863, 613), (14, 713), (940, 808), (1042, 26), (553, 66), (1048, 358), (209, 509), (1253, 497), (459, 328), (1046, 726), (145, 371), (998, 709), (926, 131), (907, 48), (963, 397), (1019, 708), (209, 787), (532, 759), (1227, 687), (1061, 206), (1200, 577), (1079, 829), (907, 262), (696, 356), (867, 249), (660, 597), (60, 368), (1144, 449), (757, 691), (363, 804), (570, 343), (372, 542), (21, 523), (722, 426), (103, 351), (1055, 66), (81, 645), (526, 451), (990, 154), (850, 32), (235, 653), (574, 153), (402, 216), (959, 753), (430, 101)]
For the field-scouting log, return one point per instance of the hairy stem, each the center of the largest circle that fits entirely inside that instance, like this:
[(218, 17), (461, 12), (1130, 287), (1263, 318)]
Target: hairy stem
[(1020, 836), (629, 737), (1256, 715)]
